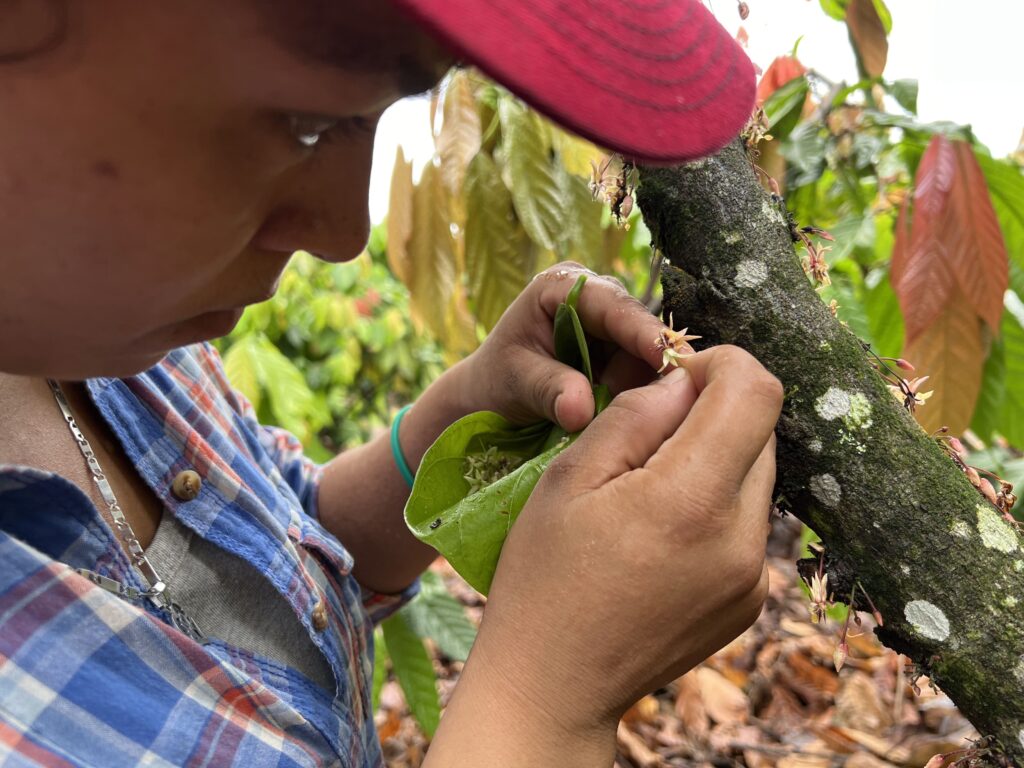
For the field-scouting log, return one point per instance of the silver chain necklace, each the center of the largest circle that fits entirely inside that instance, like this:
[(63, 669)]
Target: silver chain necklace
[(157, 590)]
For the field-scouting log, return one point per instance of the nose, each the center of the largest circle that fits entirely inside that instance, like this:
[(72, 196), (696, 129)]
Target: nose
[(323, 207)]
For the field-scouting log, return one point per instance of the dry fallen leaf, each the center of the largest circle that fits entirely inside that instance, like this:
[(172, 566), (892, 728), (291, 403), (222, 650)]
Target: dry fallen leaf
[(690, 708), (644, 711), (635, 749), (865, 760), (858, 705), (723, 701)]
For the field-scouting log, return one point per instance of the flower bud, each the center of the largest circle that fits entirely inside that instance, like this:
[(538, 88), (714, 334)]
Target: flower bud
[(840, 654), (988, 491), (905, 365), (956, 445), (744, 10)]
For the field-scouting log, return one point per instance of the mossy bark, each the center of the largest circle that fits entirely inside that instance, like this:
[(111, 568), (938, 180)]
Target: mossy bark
[(895, 514)]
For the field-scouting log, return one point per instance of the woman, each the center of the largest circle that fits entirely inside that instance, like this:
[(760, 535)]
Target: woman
[(178, 584)]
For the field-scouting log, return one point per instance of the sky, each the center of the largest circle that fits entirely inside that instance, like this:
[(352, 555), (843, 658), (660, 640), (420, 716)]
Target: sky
[(965, 56)]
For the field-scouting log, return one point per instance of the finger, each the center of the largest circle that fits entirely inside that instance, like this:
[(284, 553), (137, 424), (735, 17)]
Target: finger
[(623, 371), (628, 432), (606, 310), (732, 419), (549, 389), (756, 493)]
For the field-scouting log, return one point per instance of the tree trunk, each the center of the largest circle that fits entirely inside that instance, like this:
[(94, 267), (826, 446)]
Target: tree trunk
[(943, 567)]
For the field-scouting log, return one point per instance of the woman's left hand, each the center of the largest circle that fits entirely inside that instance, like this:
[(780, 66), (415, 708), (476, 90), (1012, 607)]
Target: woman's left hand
[(516, 374)]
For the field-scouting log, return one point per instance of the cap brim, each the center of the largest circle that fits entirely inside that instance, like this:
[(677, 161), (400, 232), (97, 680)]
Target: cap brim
[(656, 80)]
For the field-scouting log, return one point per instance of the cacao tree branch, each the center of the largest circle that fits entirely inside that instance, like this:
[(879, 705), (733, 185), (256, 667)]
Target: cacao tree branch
[(943, 567)]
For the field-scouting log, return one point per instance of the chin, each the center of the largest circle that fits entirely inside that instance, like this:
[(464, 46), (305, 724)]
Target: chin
[(73, 368)]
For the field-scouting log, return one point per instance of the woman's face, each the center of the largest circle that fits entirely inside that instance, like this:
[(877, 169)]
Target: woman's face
[(151, 185)]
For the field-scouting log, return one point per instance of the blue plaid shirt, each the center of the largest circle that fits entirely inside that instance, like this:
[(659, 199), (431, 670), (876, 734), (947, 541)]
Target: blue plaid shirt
[(88, 678)]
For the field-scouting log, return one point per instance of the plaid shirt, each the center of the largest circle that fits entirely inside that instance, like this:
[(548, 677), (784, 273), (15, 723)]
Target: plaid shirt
[(87, 678)]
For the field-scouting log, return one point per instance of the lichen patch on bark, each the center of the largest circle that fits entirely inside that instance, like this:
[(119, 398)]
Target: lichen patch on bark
[(826, 489), (834, 404), (750, 273), (995, 532), (927, 620)]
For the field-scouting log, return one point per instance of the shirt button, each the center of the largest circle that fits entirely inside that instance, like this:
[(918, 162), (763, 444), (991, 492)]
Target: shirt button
[(186, 485), (319, 617)]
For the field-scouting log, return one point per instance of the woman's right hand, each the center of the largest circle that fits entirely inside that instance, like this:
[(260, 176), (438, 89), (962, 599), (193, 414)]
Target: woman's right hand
[(639, 554)]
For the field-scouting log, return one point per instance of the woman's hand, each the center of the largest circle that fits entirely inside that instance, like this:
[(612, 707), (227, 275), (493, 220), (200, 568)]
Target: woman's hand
[(515, 372), (640, 553)]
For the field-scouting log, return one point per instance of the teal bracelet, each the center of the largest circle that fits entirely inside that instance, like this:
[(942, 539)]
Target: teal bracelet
[(396, 449)]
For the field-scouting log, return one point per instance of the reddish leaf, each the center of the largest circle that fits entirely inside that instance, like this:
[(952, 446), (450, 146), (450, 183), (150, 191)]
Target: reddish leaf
[(921, 272), (779, 72), (954, 240), (868, 35), (981, 265), (951, 352)]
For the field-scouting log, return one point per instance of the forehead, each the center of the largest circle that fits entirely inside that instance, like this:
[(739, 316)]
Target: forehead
[(358, 37)]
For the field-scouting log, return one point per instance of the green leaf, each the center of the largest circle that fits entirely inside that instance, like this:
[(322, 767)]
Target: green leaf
[(431, 248), (835, 8), (257, 367), (988, 411), (470, 528), (905, 93), (437, 615), (570, 341), (1011, 422), (1006, 188), (783, 108), (380, 666), (240, 367), (500, 259), (584, 235), (883, 310), (415, 672), (533, 174), (884, 14), (805, 151)]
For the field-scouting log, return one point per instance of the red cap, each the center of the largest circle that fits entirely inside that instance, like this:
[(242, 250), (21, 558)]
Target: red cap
[(657, 80)]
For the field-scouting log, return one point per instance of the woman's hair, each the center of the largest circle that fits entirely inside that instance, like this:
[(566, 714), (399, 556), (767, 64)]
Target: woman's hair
[(31, 28)]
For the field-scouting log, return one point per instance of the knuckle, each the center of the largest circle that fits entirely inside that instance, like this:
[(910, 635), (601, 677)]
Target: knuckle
[(560, 474), (751, 580), (615, 283), (564, 270), (637, 405), (768, 388)]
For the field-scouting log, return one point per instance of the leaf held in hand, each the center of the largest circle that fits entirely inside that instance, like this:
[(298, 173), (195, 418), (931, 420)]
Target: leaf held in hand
[(469, 528), (478, 475)]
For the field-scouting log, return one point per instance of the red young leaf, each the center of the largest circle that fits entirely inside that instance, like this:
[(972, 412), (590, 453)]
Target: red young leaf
[(951, 352), (868, 35), (921, 272), (779, 72), (981, 265), (954, 239)]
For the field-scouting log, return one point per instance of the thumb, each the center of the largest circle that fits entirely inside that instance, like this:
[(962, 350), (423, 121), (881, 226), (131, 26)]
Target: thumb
[(631, 430), (553, 390)]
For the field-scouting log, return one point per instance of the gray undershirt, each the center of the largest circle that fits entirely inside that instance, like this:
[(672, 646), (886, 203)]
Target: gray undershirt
[(231, 601)]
